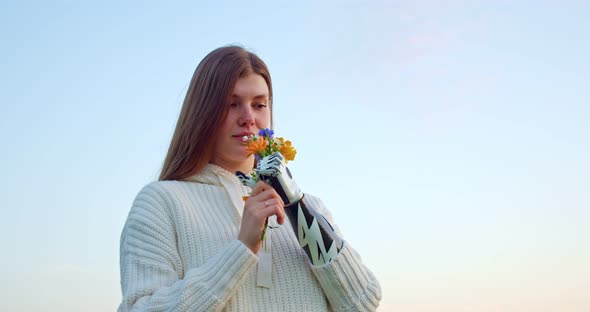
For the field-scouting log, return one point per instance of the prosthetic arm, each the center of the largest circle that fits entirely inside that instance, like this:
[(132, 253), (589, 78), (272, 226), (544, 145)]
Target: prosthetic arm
[(315, 234)]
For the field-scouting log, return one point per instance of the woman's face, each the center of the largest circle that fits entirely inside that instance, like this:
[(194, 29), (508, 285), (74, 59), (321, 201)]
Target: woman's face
[(249, 111)]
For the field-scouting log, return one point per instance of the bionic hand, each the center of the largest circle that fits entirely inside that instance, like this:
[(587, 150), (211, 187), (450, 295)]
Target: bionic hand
[(315, 234)]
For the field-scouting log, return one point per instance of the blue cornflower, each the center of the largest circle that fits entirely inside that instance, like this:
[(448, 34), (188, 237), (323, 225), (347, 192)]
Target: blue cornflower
[(266, 132)]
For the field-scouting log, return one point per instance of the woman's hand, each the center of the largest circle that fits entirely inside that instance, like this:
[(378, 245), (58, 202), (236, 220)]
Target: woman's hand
[(263, 202)]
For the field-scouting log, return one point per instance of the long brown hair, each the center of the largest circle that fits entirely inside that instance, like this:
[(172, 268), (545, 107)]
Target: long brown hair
[(205, 108)]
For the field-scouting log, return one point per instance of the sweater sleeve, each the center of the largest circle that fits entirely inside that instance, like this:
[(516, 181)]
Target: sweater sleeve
[(152, 277), (348, 284)]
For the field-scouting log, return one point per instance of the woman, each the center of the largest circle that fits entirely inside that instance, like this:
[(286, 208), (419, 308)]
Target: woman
[(191, 243)]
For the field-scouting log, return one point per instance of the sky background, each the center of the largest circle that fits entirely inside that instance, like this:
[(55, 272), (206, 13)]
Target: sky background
[(450, 139)]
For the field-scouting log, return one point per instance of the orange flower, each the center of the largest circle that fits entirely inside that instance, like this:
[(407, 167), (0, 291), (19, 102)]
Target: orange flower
[(257, 146), (288, 150)]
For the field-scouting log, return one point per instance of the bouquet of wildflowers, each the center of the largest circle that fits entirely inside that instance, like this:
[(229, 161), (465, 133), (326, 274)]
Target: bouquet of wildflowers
[(265, 144)]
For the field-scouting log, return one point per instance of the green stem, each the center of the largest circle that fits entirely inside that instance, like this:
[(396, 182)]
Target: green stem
[(264, 233)]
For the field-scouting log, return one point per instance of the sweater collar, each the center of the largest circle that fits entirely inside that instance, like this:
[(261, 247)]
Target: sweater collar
[(215, 175)]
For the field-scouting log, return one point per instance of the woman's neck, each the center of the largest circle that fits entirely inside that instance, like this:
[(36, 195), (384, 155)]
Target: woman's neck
[(245, 166)]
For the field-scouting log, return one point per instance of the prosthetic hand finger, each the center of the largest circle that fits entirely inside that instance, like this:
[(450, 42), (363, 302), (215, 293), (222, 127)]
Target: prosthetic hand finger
[(271, 165), (273, 171), (245, 179)]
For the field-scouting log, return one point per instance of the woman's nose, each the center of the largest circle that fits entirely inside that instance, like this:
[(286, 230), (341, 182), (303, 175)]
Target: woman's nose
[(246, 117)]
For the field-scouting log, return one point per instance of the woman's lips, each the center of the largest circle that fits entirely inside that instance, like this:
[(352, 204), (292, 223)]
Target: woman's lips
[(242, 138)]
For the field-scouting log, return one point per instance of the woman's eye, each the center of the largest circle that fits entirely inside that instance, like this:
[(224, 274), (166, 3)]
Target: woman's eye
[(260, 105), (232, 105)]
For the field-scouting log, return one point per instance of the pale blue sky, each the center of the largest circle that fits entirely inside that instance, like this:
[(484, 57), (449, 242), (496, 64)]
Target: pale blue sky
[(449, 139)]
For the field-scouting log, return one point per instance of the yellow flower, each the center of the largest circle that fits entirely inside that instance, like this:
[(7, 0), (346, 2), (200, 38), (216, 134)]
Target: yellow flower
[(256, 146), (288, 150)]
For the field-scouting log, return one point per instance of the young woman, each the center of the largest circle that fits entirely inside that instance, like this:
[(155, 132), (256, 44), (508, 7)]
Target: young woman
[(191, 243)]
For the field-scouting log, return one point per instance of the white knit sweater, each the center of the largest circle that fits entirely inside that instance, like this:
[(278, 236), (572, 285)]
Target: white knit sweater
[(179, 252)]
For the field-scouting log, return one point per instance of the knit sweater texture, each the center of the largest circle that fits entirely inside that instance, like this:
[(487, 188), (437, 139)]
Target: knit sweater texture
[(180, 252)]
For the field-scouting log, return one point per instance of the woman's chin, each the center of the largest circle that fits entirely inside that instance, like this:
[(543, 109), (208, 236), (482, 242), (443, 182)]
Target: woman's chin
[(242, 156)]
